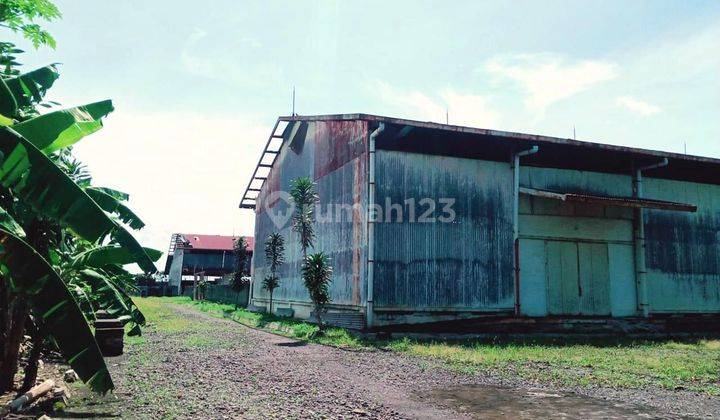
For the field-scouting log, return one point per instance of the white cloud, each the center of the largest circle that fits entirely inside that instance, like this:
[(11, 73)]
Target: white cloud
[(184, 172), (549, 78), (463, 109), (637, 106)]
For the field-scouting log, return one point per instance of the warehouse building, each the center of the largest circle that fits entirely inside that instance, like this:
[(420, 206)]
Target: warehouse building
[(192, 257), (433, 224)]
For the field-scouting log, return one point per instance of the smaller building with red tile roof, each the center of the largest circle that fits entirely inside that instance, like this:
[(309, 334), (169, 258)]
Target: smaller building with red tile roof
[(210, 256)]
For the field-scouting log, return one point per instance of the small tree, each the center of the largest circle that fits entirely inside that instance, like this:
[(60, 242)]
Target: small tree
[(201, 289), (241, 256), (275, 256), (317, 274), (302, 191), (270, 283)]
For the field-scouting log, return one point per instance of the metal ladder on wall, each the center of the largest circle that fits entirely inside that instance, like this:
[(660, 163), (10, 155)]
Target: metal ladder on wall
[(173, 243), (262, 170)]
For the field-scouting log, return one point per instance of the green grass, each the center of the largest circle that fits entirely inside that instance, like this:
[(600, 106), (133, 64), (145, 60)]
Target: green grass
[(287, 327), (691, 364)]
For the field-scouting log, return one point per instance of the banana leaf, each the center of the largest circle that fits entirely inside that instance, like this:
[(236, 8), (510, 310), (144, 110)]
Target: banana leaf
[(83, 301), (8, 104), (29, 88), (117, 194), (8, 223), (38, 182), (113, 298), (61, 318), (112, 205), (56, 130), (110, 254)]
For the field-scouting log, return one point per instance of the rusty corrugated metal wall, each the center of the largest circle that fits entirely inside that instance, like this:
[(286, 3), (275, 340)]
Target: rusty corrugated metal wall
[(334, 154), (466, 264)]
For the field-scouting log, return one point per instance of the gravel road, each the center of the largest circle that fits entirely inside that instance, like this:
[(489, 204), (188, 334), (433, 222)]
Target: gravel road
[(222, 369)]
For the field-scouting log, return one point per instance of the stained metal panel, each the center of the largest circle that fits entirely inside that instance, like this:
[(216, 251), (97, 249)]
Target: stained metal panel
[(534, 279), (574, 181), (332, 153), (578, 228), (623, 289), (596, 201), (683, 249), (594, 278), (462, 265), (599, 238), (562, 281)]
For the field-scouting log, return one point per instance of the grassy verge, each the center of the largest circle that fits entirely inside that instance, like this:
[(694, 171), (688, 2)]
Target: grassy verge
[(692, 364), (287, 327)]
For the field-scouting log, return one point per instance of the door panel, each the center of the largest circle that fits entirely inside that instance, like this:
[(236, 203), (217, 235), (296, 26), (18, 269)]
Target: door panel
[(563, 281), (578, 278), (594, 279)]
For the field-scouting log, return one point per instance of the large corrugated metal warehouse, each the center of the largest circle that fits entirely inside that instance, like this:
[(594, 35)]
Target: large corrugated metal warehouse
[(433, 223)]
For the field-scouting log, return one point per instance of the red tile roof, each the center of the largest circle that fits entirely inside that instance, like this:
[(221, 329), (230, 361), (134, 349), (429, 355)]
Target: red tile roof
[(213, 242)]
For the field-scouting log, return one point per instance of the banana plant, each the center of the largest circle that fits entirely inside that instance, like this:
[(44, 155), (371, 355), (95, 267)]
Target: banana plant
[(38, 182), (27, 272), (35, 191)]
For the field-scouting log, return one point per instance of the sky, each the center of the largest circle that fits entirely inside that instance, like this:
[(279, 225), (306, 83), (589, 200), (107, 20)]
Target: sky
[(198, 89)]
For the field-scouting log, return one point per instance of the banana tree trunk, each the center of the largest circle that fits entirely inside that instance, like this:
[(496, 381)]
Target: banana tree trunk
[(18, 316), (31, 370), (4, 317)]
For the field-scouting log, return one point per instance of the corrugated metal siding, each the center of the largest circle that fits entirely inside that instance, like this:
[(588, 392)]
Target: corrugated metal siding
[(464, 265), (175, 276), (583, 182), (206, 261), (683, 249), (334, 154)]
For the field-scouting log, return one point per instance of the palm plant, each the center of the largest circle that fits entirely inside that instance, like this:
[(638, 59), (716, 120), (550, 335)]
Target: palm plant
[(241, 255), (275, 256), (317, 274), (270, 283), (46, 218), (302, 192)]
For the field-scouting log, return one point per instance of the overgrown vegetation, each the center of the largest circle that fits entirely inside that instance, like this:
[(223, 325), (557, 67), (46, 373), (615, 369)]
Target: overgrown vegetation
[(63, 242)]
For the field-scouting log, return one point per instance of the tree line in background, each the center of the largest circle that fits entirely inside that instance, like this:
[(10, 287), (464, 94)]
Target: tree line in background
[(63, 241)]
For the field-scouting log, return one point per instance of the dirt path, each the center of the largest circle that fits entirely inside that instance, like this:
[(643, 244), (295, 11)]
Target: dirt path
[(216, 368)]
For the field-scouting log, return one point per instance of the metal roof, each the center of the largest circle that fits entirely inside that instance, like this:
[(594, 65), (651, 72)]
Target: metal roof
[(211, 242), (479, 143), (535, 138)]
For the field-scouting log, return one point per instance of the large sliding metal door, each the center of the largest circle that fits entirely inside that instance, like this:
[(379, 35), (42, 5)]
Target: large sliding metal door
[(578, 280)]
